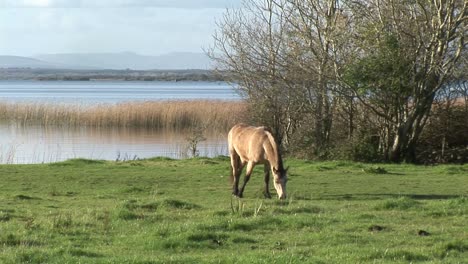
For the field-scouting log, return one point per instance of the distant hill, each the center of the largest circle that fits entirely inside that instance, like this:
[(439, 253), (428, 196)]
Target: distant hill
[(25, 62), (130, 60), (112, 61)]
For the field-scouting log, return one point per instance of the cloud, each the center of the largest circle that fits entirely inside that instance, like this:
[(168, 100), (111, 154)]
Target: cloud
[(189, 4), (30, 31), (29, 27)]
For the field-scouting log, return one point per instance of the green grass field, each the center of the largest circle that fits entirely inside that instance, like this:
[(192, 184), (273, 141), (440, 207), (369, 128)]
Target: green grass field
[(181, 211)]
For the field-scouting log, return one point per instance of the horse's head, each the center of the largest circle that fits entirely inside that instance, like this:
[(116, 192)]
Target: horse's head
[(280, 178)]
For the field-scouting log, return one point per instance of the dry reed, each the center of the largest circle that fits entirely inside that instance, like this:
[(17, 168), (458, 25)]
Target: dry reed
[(215, 115)]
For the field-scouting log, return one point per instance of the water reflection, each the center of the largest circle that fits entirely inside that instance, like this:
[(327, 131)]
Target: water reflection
[(38, 144)]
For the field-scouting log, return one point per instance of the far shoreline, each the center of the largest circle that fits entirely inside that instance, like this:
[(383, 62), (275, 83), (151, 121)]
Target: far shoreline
[(176, 75)]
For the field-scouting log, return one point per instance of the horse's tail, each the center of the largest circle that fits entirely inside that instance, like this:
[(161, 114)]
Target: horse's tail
[(232, 154), (231, 176)]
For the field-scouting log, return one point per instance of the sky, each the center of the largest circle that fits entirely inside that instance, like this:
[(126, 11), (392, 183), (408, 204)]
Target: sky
[(149, 27)]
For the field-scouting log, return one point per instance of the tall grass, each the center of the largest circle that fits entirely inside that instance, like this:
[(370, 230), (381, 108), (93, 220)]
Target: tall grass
[(178, 115)]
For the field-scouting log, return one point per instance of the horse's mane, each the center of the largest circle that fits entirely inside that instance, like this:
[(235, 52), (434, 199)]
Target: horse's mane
[(275, 149), (268, 129)]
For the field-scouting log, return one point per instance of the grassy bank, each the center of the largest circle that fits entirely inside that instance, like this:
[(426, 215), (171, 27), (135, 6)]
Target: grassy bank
[(179, 115), (166, 211)]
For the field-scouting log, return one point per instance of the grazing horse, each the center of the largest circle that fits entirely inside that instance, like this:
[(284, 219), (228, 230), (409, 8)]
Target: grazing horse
[(250, 146)]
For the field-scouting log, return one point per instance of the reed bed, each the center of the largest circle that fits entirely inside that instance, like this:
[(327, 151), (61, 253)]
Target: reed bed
[(214, 115)]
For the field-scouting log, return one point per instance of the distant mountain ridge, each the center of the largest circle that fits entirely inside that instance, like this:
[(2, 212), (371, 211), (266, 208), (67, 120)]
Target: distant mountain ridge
[(117, 61), (25, 62)]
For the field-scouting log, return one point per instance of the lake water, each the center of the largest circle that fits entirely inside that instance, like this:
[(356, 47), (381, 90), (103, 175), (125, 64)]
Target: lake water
[(38, 144), (92, 92)]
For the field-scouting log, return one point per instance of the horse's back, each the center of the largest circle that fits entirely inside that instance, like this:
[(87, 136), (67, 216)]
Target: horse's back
[(248, 141), (246, 130), (242, 133)]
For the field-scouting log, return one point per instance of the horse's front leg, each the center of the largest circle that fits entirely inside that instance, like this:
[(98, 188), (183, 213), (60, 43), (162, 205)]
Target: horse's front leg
[(237, 170), (248, 172), (266, 192)]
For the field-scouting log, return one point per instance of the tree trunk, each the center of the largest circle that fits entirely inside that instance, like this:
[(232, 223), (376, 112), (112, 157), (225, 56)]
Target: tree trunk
[(408, 132)]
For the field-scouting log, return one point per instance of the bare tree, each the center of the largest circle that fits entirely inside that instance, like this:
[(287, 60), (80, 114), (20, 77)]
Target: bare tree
[(314, 27), (281, 52), (250, 43)]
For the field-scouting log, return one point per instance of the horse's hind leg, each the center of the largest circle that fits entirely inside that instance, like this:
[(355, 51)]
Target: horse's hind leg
[(248, 172), (266, 192), (236, 167)]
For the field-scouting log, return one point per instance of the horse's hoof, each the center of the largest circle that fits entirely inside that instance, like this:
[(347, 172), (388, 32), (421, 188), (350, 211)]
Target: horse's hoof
[(267, 195)]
